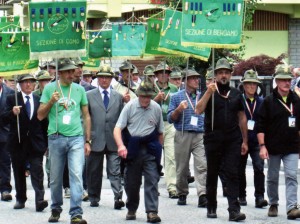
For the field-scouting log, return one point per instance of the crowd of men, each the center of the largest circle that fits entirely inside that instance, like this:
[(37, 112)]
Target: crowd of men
[(75, 121)]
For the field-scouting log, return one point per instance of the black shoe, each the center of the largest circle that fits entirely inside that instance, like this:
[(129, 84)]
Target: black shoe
[(190, 179), (94, 204), (181, 200), (173, 195), (273, 211), (119, 204), (202, 202), (152, 217), (260, 203), (19, 205), (131, 215), (41, 205), (55, 215), (6, 196), (78, 220), (236, 216), (242, 201), (211, 213)]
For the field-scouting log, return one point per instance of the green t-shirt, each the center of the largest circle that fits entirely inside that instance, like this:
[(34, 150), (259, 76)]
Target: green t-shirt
[(169, 91), (69, 109)]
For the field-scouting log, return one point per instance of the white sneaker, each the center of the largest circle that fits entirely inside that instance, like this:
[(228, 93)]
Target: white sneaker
[(67, 192), (85, 196)]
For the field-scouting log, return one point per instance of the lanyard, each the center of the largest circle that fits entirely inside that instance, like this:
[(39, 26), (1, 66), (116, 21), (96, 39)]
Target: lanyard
[(221, 94), (248, 108), (286, 107), (189, 99), (69, 95)]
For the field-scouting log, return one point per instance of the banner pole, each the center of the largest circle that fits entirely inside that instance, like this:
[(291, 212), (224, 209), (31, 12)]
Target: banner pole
[(56, 107), (187, 69), (16, 99), (213, 95)]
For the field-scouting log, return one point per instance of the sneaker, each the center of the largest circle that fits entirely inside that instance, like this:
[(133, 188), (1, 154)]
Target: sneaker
[(85, 196), (78, 220), (6, 196), (243, 201), (173, 194), (260, 203), (181, 200), (236, 216), (119, 204), (152, 217), (55, 215), (202, 202), (131, 215), (273, 211), (294, 213), (67, 192)]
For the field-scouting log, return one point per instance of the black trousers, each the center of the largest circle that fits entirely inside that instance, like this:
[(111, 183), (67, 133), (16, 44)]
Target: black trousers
[(5, 170), (225, 155), (36, 174)]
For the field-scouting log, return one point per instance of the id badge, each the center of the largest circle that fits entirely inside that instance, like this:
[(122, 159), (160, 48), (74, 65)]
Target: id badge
[(164, 108), (292, 122), (250, 124), (66, 119), (194, 121)]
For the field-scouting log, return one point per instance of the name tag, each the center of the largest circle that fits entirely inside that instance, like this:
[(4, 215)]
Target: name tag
[(66, 119), (194, 121), (292, 122), (250, 124)]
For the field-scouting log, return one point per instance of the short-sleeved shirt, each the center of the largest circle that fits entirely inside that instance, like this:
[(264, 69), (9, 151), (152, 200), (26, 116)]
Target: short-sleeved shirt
[(68, 117), (169, 91), (225, 112), (141, 121)]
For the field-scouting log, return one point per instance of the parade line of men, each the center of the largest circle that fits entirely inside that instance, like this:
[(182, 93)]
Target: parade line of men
[(132, 122)]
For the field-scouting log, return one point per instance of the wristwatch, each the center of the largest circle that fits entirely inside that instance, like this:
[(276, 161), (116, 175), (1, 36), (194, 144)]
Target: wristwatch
[(88, 141)]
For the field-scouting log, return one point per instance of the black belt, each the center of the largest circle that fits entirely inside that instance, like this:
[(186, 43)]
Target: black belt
[(193, 131)]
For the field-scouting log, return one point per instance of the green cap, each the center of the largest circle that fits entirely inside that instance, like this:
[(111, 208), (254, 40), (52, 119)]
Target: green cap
[(162, 66), (135, 70), (149, 70), (105, 70), (24, 77), (65, 64), (146, 88), (283, 71), (126, 65), (78, 61), (223, 63), (176, 73), (250, 76), (87, 73), (43, 75), (189, 73)]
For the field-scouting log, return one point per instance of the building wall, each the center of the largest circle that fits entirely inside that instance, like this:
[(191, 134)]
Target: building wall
[(271, 43), (294, 41)]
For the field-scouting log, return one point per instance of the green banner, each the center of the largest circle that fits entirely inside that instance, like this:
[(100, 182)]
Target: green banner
[(100, 44), (212, 23), (153, 37), (57, 29), (128, 40), (91, 64), (14, 54), (10, 24), (170, 40)]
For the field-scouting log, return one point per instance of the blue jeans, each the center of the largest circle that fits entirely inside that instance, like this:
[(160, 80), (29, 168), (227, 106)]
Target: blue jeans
[(290, 163), (62, 148)]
